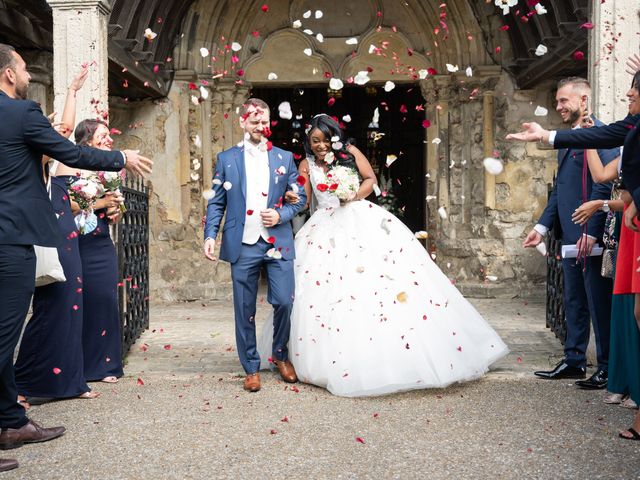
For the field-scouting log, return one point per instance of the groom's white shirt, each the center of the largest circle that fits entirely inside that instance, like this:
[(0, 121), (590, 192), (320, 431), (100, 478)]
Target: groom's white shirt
[(256, 166)]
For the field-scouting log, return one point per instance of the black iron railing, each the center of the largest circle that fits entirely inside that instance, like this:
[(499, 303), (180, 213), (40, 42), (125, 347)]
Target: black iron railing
[(555, 314), (132, 241)]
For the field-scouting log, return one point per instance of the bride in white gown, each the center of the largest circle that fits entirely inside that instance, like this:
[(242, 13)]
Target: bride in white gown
[(373, 314)]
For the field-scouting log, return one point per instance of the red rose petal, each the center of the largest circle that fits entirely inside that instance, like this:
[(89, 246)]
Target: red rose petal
[(578, 55), (271, 239), (331, 101), (167, 347), (322, 187), (426, 124), (301, 180), (57, 371), (265, 8), (360, 440), (140, 382), (249, 212)]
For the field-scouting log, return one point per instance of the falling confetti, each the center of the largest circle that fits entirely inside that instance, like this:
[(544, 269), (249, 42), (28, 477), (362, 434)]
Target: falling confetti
[(541, 50), (442, 212), (494, 166), (272, 76), (204, 52), (540, 111), (389, 86), (150, 34), (336, 84), (57, 371)]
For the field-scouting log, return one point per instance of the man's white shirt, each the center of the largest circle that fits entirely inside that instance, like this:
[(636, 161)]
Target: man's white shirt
[(256, 167)]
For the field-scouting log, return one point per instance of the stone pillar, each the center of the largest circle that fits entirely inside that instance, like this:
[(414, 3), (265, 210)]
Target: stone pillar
[(80, 36), (611, 41), (488, 147)]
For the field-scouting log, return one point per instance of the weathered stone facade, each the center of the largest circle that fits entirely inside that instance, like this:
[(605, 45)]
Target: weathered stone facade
[(487, 216)]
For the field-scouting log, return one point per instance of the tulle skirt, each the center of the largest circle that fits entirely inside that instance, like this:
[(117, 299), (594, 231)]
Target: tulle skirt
[(373, 314)]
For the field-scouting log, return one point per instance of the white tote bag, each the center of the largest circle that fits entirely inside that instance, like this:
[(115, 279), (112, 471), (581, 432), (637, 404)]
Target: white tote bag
[(48, 268)]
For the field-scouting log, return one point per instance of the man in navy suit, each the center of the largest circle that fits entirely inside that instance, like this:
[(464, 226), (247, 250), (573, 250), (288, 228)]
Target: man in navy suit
[(249, 184), (587, 294), (27, 219)]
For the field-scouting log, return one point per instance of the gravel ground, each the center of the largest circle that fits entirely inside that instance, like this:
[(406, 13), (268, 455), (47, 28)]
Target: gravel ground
[(191, 419)]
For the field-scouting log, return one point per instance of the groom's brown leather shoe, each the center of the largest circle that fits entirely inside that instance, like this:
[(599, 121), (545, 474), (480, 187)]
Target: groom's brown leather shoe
[(7, 464), (287, 372), (29, 433), (252, 382)]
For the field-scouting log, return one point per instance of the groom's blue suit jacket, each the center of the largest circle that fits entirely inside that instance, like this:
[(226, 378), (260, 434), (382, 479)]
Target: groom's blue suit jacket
[(567, 192), (230, 167)]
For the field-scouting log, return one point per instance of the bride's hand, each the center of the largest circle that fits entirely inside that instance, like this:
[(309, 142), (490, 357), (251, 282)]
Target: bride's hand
[(291, 197)]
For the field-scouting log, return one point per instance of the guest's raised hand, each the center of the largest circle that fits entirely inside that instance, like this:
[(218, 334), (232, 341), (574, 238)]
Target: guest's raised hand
[(137, 164), (633, 64), (532, 132), (291, 197), (532, 240), (79, 79), (585, 211)]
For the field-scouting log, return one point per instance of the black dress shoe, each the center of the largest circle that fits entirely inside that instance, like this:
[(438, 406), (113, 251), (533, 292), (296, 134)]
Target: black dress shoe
[(562, 370), (596, 381)]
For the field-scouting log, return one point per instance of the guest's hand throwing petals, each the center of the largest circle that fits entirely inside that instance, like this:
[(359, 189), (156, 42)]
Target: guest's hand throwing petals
[(137, 164), (532, 132)]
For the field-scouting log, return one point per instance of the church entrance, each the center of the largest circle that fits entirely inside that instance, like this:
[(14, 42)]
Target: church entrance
[(398, 132)]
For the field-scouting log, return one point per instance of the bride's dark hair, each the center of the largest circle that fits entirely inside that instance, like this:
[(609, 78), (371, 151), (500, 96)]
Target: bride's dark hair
[(86, 129), (331, 128)]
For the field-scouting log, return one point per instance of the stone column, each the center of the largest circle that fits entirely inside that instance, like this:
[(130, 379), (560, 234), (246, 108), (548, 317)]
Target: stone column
[(611, 41), (80, 36)]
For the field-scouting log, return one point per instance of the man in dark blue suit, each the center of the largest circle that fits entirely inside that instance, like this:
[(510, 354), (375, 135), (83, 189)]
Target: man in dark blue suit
[(27, 219), (249, 187), (587, 294)]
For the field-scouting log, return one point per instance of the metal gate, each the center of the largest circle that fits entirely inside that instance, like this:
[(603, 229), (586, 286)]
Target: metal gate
[(555, 314), (132, 240)]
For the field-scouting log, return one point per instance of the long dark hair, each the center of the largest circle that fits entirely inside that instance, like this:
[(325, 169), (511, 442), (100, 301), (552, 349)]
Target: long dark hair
[(86, 129), (331, 128)]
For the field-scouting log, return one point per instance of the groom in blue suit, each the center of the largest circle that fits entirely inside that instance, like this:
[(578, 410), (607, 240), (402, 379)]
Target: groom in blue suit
[(250, 182), (587, 294)]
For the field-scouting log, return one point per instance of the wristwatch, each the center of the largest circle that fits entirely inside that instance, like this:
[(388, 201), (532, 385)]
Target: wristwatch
[(605, 206)]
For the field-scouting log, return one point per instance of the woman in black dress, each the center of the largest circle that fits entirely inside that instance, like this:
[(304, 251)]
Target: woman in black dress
[(101, 337), (50, 358)]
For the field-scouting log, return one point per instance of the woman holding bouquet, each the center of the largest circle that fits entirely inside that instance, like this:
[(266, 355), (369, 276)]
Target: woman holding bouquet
[(101, 337), (373, 314)]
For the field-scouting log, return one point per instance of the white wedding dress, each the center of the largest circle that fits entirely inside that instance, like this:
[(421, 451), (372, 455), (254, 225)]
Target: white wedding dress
[(373, 314)]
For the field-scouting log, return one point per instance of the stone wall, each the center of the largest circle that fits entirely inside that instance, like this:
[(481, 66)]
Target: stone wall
[(474, 243)]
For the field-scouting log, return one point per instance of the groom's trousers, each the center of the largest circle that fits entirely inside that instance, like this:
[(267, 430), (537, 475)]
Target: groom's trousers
[(245, 273)]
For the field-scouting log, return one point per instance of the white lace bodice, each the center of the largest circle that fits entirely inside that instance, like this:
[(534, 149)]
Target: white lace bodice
[(317, 175)]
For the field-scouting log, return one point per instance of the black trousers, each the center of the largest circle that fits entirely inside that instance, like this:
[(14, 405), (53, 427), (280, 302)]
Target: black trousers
[(17, 282)]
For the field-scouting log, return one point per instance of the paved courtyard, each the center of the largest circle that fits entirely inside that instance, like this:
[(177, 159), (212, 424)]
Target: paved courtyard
[(180, 412)]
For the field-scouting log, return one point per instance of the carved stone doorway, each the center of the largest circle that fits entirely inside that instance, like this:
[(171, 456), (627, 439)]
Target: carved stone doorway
[(399, 132)]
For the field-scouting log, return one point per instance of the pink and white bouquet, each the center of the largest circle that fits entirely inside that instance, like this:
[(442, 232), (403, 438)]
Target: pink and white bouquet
[(343, 182), (84, 191), (112, 182)]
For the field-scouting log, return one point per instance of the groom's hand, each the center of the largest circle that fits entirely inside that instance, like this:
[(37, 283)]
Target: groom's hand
[(209, 248), (270, 217)]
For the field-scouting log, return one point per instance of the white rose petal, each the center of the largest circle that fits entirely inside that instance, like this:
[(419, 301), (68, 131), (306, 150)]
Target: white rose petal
[(274, 253), (336, 145), (442, 212), (346, 118), (197, 142), (389, 86), (329, 158), (372, 48), (150, 34), (217, 181), (308, 52), (208, 194), (195, 100), (307, 14), (541, 111), (204, 52), (297, 24), (320, 37), (308, 32), (491, 278), (195, 176), (335, 138), (204, 93), (493, 166), (227, 185), (423, 73), (469, 72), (540, 10), (336, 84), (452, 68), (436, 141), (391, 159), (236, 47), (361, 78), (318, 14), (421, 235), (272, 76), (352, 41), (541, 50)]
